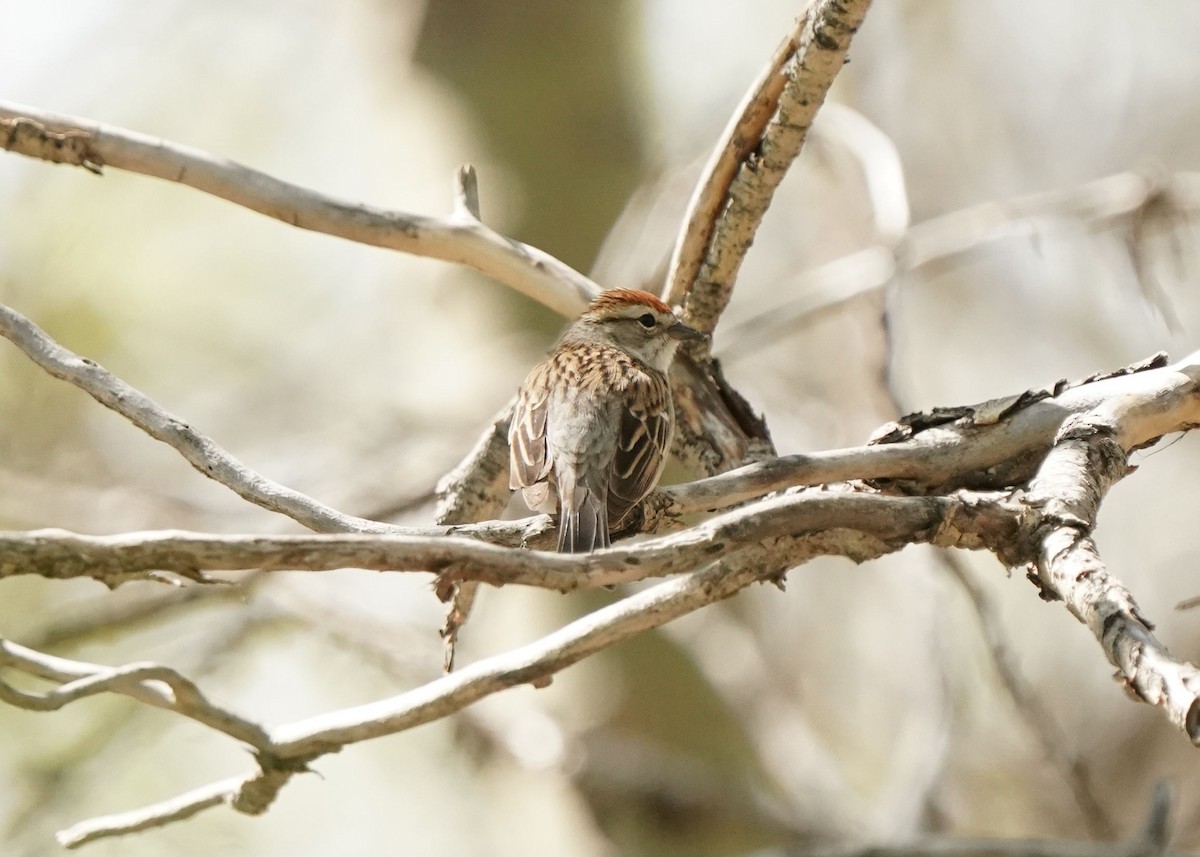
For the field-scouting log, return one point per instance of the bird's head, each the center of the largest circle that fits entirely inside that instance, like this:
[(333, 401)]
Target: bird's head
[(638, 323)]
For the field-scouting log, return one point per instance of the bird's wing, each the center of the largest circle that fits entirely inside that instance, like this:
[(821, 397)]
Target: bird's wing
[(528, 462), (646, 420)]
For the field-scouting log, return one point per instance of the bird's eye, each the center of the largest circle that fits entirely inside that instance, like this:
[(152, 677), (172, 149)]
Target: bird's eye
[(647, 321)]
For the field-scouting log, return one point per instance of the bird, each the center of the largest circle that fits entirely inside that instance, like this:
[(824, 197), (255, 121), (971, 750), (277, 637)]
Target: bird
[(593, 421)]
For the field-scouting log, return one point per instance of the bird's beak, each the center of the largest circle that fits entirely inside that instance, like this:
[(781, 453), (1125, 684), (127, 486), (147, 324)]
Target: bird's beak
[(681, 331)]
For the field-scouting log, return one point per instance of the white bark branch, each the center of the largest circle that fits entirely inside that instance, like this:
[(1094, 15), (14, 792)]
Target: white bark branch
[(156, 815), (1003, 441), (154, 685), (460, 238), (724, 214), (533, 663), (208, 457), (199, 451)]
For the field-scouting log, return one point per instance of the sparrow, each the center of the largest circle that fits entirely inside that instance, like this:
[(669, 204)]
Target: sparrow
[(593, 421)]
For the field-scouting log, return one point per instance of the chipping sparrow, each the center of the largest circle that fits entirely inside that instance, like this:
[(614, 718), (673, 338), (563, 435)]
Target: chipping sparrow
[(593, 421)]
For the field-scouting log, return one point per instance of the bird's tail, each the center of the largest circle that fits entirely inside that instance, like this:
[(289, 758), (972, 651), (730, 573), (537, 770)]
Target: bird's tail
[(583, 516)]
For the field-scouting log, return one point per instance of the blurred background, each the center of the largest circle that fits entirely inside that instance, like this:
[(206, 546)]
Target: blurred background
[(919, 695)]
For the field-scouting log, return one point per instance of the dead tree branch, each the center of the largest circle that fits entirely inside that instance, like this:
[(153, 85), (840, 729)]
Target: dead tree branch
[(461, 238), (199, 451), (753, 156), (1089, 455), (207, 456), (860, 517), (989, 446)]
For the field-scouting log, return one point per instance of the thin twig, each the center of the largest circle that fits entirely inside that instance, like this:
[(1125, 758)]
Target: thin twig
[(155, 815), (54, 785), (152, 684)]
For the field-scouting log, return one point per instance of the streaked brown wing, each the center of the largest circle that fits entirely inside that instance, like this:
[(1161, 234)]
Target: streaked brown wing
[(527, 460), (643, 444)]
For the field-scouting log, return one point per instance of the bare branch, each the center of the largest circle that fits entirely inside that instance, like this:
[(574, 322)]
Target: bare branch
[(740, 138), (156, 815), (37, 141), (533, 663), (719, 429), (1089, 455), (48, 791), (752, 158), (143, 682), (202, 453), (205, 455), (991, 444), (461, 239), (466, 193), (1088, 431), (477, 489), (976, 521)]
